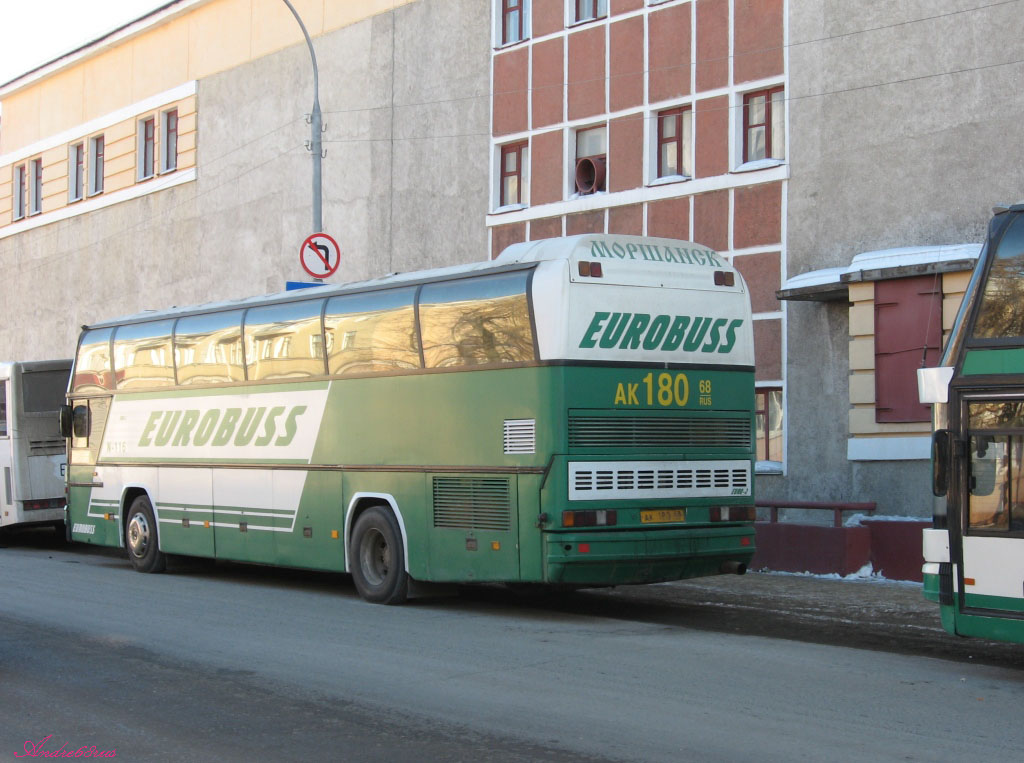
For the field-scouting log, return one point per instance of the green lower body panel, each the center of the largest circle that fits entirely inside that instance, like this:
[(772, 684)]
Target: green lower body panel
[(997, 628), (644, 556)]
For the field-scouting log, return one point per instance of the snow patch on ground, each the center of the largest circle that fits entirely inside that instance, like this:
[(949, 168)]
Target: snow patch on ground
[(864, 574)]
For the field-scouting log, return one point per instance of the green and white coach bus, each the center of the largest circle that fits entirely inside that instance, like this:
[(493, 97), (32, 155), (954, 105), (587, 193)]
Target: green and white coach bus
[(578, 411), (974, 554)]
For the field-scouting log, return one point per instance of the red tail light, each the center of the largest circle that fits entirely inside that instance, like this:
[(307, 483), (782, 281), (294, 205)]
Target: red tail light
[(590, 269), (589, 518), (732, 514), (725, 278)]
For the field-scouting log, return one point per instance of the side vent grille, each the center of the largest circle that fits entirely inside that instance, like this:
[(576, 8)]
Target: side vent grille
[(472, 503), (520, 436), (46, 447), (633, 432)]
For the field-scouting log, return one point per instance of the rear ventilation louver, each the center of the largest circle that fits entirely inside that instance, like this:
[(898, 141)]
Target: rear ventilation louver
[(520, 436), (46, 447), (636, 432), (603, 480), (472, 503)]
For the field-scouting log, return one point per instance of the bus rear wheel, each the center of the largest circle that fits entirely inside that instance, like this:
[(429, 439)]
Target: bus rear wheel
[(141, 538), (377, 558)]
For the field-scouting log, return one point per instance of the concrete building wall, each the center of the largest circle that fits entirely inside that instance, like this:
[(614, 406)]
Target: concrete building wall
[(404, 182), (906, 126)]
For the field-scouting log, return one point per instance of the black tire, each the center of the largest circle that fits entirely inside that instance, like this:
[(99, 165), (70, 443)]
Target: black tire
[(377, 558), (141, 538)]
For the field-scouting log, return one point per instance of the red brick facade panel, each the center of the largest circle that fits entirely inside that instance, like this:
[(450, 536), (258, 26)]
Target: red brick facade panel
[(546, 168), (625, 153), (626, 84), (548, 17), (712, 44), (711, 124), (768, 350), (710, 220), (669, 56), (548, 83), (510, 89), (758, 39), (549, 227), (669, 218), (586, 72), (763, 275), (627, 220), (757, 216), (625, 6), (506, 235), (585, 222)]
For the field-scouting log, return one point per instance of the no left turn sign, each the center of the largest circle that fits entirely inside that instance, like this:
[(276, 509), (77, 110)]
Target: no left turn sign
[(320, 255)]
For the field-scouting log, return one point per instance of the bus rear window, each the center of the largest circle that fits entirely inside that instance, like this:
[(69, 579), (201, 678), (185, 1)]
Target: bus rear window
[(92, 367), (372, 333), (142, 355), (476, 321), (1000, 315), (43, 391)]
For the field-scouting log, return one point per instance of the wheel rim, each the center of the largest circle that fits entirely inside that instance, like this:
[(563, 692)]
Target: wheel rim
[(138, 535), (374, 557)]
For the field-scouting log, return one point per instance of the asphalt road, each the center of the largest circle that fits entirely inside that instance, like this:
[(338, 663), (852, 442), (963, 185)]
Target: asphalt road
[(231, 662)]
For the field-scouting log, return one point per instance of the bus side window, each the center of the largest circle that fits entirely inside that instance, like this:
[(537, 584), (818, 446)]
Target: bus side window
[(92, 368), (371, 333), (284, 341), (142, 355), (3, 408), (208, 348), (476, 321)]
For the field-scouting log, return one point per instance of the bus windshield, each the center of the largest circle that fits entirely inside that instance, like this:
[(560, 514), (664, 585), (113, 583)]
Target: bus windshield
[(999, 316)]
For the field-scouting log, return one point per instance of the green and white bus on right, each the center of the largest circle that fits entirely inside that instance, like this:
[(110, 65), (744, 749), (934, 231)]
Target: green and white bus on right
[(974, 553)]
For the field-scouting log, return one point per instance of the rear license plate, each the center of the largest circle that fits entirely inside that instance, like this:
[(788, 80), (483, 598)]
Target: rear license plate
[(663, 515)]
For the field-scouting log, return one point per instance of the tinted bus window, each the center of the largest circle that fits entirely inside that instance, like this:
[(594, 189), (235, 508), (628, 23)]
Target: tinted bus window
[(476, 321), (208, 348), (999, 315), (372, 333), (142, 355), (92, 368), (43, 391), (3, 408), (284, 341)]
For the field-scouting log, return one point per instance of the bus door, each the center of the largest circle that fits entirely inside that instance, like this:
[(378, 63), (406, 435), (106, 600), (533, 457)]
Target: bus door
[(9, 515), (991, 536)]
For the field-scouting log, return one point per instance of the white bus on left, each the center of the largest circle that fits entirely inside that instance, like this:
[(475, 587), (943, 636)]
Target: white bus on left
[(33, 456)]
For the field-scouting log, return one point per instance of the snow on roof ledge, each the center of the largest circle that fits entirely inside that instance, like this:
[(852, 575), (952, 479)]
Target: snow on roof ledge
[(831, 283)]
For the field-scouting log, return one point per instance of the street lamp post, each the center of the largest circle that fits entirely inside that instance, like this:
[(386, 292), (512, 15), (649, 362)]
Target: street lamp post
[(315, 144)]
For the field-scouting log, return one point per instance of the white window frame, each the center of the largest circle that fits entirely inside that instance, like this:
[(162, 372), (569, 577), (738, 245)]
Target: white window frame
[(19, 182), (498, 26), (169, 160), (76, 182), (140, 149), (574, 156), (35, 186), (96, 161)]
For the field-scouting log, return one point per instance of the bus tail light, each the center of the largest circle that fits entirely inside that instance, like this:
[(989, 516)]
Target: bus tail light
[(590, 269), (725, 278), (732, 513), (600, 518), (45, 503)]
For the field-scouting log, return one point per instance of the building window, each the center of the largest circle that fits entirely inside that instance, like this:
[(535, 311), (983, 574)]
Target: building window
[(76, 172), (96, 165), (908, 335), (588, 10), (513, 21), (20, 192), (513, 156), (591, 160), (35, 186), (675, 143), (169, 141), (768, 423), (764, 125), (146, 148)]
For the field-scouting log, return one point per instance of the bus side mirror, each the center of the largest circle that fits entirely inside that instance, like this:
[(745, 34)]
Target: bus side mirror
[(64, 421), (942, 447)]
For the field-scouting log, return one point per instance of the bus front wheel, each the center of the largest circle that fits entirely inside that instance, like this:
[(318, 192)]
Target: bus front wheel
[(141, 538), (377, 558)]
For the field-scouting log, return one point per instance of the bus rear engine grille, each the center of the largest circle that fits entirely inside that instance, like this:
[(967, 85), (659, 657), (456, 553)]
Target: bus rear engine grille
[(604, 480), (472, 503), (53, 446), (638, 432)]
